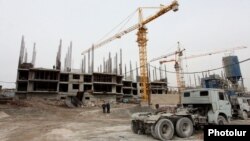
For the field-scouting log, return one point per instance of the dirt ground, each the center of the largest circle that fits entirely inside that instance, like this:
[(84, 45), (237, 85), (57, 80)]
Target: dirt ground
[(45, 120)]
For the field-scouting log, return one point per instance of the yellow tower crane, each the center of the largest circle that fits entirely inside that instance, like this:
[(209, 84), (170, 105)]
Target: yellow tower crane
[(142, 42)]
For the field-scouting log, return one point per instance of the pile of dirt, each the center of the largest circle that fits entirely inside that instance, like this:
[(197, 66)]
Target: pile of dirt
[(41, 103), (4, 99), (34, 102), (20, 103), (3, 115)]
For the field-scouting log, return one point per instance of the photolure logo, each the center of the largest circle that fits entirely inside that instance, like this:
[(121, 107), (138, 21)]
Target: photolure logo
[(227, 132), (214, 132)]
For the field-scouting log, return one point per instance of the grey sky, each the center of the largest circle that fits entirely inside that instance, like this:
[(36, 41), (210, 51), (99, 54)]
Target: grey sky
[(199, 25)]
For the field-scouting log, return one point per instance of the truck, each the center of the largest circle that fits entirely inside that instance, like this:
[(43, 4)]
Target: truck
[(240, 107), (198, 107)]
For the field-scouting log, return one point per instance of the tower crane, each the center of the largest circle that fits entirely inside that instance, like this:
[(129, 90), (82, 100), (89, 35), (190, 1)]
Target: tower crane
[(141, 40), (178, 62), (167, 55)]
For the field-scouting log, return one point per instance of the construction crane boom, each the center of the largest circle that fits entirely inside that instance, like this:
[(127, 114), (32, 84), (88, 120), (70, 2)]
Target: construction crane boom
[(206, 54), (216, 52), (173, 6), (166, 56)]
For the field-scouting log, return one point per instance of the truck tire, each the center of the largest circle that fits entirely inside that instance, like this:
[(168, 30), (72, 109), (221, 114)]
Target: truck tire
[(221, 120), (244, 115), (184, 127), (164, 129), (152, 131), (134, 127)]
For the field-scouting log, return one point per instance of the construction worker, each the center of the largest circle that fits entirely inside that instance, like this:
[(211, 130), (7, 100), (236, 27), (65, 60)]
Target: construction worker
[(104, 107), (157, 106), (108, 107)]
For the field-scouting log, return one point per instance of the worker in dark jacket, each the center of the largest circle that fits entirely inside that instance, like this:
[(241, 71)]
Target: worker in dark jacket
[(104, 107), (108, 107)]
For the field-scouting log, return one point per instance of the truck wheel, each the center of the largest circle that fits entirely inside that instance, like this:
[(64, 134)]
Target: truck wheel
[(221, 120), (164, 129), (244, 115), (134, 127), (184, 127), (152, 131)]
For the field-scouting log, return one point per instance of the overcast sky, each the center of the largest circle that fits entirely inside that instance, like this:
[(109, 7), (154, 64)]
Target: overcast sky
[(200, 26)]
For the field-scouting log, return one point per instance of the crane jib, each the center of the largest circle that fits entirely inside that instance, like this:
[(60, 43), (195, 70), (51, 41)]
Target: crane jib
[(173, 6)]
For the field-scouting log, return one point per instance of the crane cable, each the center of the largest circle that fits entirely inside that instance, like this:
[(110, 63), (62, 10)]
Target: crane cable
[(125, 21)]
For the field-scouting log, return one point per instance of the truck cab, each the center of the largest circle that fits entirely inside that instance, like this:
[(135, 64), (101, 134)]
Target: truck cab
[(208, 103), (240, 106)]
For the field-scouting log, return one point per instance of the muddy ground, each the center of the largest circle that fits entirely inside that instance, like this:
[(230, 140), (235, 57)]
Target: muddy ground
[(45, 120)]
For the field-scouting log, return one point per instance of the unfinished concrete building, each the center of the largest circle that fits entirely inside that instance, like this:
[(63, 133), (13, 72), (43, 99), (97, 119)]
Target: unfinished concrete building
[(108, 83), (37, 81)]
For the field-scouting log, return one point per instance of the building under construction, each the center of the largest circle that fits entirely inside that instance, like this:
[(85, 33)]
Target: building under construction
[(109, 82)]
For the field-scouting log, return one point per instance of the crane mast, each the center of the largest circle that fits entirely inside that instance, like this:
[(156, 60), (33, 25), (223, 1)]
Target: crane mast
[(142, 43), (179, 70)]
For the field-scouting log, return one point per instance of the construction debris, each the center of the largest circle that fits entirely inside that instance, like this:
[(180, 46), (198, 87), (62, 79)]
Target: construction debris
[(74, 101)]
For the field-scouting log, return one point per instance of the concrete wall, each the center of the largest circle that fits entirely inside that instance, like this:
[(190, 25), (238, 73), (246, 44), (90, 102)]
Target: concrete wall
[(91, 100), (165, 99)]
